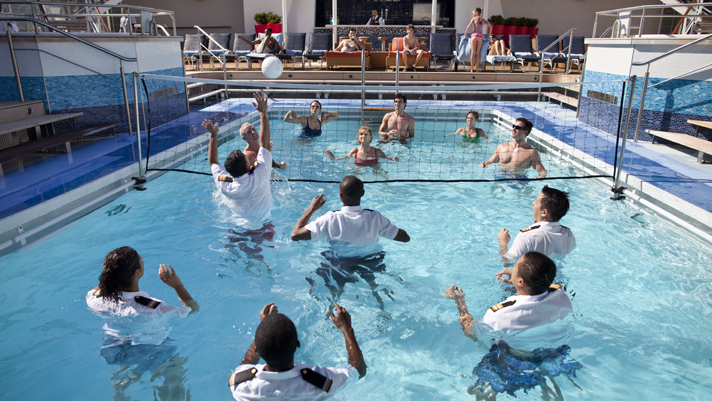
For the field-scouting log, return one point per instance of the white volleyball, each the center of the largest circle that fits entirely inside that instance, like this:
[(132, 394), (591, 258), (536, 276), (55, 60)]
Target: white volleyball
[(272, 67)]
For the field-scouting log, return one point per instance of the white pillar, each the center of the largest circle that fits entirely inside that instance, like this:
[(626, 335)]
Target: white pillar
[(284, 16), (434, 14), (334, 20)]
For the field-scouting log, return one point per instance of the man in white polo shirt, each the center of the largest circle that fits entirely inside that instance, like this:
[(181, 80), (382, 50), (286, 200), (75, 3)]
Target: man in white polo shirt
[(546, 235)]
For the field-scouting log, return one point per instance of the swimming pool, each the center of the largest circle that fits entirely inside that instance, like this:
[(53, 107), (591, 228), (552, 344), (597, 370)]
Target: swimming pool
[(641, 306)]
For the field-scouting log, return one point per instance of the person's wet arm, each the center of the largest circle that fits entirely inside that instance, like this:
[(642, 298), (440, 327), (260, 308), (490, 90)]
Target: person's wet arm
[(492, 160), (252, 357), (300, 232), (342, 320), (466, 320)]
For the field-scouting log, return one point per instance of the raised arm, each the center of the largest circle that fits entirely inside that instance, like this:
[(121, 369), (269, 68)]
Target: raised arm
[(292, 118), (329, 116), (169, 276), (299, 232), (493, 159), (213, 144), (255, 42), (252, 357), (466, 320), (342, 320), (261, 106), (503, 240)]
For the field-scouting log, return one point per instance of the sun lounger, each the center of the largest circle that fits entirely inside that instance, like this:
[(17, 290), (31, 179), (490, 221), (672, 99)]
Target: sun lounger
[(317, 46), (464, 49), (397, 46), (192, 49), (441, 48), (294, 46), (240, 48), (521, 47)]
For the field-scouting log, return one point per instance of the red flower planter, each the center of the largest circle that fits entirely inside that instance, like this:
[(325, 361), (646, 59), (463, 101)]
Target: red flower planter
[(522, 30), (533, 31), (509, 30), (276, 28), (497, 29)]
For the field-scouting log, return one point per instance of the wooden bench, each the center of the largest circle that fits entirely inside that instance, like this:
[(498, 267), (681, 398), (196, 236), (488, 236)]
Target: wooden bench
[(36, 121), (26, 148), (703, 146)]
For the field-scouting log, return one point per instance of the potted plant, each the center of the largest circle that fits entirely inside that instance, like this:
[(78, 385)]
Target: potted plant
[(531, 24), (522, 26), (510, 28), (497, 22), (268, 20)]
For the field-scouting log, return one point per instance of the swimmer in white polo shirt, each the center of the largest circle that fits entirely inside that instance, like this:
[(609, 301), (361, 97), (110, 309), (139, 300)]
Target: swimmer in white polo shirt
[(546, 235), (353, 234)]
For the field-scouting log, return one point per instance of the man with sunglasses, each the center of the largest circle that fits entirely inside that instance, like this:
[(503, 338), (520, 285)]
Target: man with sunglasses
[(516, 157)]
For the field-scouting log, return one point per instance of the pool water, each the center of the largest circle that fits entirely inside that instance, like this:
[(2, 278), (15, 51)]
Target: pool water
[(639, 286)]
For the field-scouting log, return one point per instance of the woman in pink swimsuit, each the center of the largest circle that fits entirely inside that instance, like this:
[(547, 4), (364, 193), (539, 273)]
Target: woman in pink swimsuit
[(476, 39), (366, 156)]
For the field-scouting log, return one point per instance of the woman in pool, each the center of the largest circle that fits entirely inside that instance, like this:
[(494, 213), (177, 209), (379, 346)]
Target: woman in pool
[(471, 133), (366, 156), (311, 124), (118, 294), (476, 39)]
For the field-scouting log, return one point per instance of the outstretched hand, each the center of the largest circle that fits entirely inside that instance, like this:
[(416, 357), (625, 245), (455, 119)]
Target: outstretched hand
[(168, 275), (261, 102), (503, 236), (342, 320), (317, 203), (211, 127), (505, 272), (329, 155), (268, 309), (454, 293)]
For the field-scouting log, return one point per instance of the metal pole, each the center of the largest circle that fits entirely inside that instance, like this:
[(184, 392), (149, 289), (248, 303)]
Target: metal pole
[(568, 55), (397, 66), (595, 23), (433, 15), (363, 83), (138, 129), (224, 68), (642, 20), (616, 192), (14, 61), (126, 99), (642, 105)]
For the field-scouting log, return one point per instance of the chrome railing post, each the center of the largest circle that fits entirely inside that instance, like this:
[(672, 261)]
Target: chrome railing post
[(616, 192), (126, 98), (363, 82), (642, 104), (642, 20), (568, 54), (14, 61), (397, 66), (138, 129)]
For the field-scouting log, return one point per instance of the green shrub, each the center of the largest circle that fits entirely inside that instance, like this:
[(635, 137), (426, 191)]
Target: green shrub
[(532, 22), (268, 18), (496, 20), (511, 21)]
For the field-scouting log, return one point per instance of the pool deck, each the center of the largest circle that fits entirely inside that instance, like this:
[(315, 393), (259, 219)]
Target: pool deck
[(52, 190)]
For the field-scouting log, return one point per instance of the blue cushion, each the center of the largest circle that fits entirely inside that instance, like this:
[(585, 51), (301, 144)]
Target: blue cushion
[(500, 59), (242, 52), (318, 43), (189, 53), (522, 54), (292, 52), (549, 55)]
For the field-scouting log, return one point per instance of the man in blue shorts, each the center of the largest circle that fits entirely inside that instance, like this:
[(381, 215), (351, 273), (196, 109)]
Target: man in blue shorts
[(516, 157)]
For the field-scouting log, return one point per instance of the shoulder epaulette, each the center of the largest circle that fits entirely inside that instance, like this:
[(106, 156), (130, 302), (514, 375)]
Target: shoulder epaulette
[(370, 210), (241, 377), (503, 305), (529, 228), (225, 178), (566, 228), (554, 287), (151, 303), (316, 379)]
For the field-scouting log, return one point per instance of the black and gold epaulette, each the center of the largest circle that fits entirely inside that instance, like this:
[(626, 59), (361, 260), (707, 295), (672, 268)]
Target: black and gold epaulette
[(225, 178), (554, 287), (529, 228), (241, 377), (151, 303), (502, 305), (316, 379)]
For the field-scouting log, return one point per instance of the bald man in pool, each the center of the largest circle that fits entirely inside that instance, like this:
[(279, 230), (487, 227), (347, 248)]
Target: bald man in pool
[(516, 157)]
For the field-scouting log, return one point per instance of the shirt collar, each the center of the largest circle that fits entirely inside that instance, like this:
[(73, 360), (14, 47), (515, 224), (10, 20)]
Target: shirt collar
[(289, 374), (351, 209), (548, 223)]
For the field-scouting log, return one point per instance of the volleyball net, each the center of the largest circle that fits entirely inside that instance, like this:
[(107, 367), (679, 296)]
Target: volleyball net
[(441, 149)]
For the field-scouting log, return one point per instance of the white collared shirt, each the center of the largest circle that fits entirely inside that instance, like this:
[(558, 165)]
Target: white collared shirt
[(249, 195), (550, 238), (529, 311), (289, 385), (351, 229)]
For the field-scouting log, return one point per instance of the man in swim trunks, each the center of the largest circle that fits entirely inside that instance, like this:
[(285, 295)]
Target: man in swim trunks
[(517, 156), (279, 378), (397, 124), (268, 44), (411, 45), (538, 302), (546, 235), (352, 44)]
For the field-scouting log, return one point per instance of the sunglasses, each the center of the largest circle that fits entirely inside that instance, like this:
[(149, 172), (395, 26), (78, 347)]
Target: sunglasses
[(516, 127)]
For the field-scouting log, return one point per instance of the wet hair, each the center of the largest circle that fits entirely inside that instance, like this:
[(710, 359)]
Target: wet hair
[(236, 163), (409, 26), (315, 101), (527, 124), (352, 190), (476, 114), (401, 97), (363, 129), (276, 339), (268, 31), (555, 202), (537, 271), (118, 272), (479, 10)]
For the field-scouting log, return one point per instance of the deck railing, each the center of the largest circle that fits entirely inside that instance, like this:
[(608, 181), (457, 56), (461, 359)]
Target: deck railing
[(689, 14)]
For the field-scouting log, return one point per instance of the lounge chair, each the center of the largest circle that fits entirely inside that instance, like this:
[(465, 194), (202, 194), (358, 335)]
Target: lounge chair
[(578, 52), (317, 46), (192, 49), (251, 57), (396, 45), (240, 48), (294, 46), (347, 59), (521, 47), (464, 49), (219, 50), (542, 42), (441, 48)]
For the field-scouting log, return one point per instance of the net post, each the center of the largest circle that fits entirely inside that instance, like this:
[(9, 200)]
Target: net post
[(363, 83), (617, 189), (397, 66), (126, 99), (642, 104), (140, 180)]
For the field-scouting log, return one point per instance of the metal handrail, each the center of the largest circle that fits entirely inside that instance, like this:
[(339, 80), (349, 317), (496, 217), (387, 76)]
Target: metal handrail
[(616, 12), (59, 3), (541, 60), (210, 38), (69, 35), (222, 60), (672, 51)]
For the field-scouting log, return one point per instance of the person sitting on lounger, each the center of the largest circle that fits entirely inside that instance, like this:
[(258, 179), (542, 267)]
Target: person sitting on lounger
[(267, 45), (497, 47), (352, 44), (366, 156)]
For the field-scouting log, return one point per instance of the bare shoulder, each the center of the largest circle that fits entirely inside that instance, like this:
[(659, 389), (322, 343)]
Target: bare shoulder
[(353, 151), (408, 117)]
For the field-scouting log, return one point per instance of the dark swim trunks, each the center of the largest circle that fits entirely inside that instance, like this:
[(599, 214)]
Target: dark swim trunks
[(507, 372)]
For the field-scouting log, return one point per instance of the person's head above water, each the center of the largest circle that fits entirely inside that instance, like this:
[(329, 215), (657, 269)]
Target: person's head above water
[(550, 205), (399, 102), (533, 273), (363, 135), (472, 117), (351, 190), (276, 340), (121, 268)]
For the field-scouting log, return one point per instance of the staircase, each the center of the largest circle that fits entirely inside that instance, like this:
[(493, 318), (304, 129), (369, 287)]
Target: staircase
[(701, 24)]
